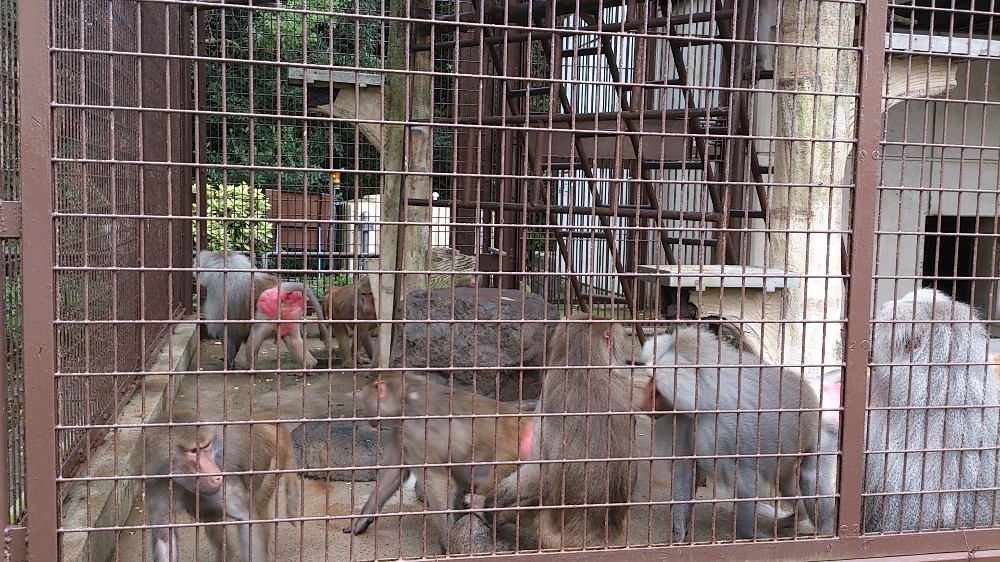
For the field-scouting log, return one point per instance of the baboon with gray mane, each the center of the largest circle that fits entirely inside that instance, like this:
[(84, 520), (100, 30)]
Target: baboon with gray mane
[(932, 418)]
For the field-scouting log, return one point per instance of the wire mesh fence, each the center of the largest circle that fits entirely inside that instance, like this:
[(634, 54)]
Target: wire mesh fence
[(331, 280)]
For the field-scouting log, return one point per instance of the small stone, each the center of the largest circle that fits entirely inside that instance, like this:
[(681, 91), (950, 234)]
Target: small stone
[(471, 535)]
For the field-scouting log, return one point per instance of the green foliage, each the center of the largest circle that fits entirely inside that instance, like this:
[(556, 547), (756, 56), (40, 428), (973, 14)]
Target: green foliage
[(340, 279), (12, 317), (14, 406), (10, 155), (444, 84), (320, 283), (305, 32), (323, 32), (250, 98), (239, 201)]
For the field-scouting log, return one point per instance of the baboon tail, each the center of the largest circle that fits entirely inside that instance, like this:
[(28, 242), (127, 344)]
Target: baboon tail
[(324, 330), (285, 459), (293, 495)]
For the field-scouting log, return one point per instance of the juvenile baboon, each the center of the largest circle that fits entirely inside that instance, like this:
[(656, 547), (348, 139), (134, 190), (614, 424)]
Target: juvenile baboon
[(932, 418), (198, 459), (581, 380), (235, 293), (417, 439), (353, 301), (734, 381)]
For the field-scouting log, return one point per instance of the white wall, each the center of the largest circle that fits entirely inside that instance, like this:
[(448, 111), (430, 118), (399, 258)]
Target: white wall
[(362, 232), (960, 179)]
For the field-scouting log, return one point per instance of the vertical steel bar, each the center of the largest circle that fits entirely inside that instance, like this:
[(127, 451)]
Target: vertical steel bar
[(35, 91), (863, 218), (5, 436), (191, 75)]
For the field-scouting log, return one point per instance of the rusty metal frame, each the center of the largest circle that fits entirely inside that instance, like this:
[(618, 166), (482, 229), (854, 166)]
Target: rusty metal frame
[(36, 229), (862, 254), (38, 259)]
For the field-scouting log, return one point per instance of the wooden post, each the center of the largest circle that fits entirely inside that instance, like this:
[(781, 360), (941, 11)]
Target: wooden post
[(816, 85), (407, 158)]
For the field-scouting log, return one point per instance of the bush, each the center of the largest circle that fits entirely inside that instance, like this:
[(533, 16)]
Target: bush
[(236, 201)]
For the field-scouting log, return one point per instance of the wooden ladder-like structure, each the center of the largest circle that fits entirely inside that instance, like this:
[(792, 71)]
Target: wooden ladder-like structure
[(720, 144)]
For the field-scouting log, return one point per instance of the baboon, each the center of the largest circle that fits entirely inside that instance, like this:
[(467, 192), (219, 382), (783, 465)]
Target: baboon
[(188, 469), (932, 418), (401, 402), (584, 379), (353, 301), (734, 381), (236, 294)]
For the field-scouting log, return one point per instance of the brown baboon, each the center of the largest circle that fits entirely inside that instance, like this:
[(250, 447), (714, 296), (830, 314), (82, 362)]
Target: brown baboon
[(460, 440), (353, 301), (585, 379), (188, 466)]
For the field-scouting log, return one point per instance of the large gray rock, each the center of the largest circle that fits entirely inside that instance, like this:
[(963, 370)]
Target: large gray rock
[(501, 330), (327, 446)]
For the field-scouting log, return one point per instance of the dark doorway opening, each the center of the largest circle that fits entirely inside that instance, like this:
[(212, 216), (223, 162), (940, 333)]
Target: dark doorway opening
[(949, 255)]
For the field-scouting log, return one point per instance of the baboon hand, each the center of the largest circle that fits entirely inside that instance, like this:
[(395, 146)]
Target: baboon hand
[(360, 525)]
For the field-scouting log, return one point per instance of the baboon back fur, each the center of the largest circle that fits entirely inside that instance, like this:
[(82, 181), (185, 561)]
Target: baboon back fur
[(929, 358)]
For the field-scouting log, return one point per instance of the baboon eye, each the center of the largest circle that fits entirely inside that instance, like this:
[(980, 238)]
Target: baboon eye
[(197, 448)]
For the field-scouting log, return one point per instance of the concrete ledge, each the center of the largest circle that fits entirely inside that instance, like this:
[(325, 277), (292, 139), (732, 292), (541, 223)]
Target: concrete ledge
[(106, 503)]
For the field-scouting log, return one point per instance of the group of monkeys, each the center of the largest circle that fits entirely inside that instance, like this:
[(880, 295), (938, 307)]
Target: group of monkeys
[(244, 307), (758, 430)]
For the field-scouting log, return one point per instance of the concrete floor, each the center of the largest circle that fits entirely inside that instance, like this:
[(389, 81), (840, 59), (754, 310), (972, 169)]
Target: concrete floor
[(327, 506)]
